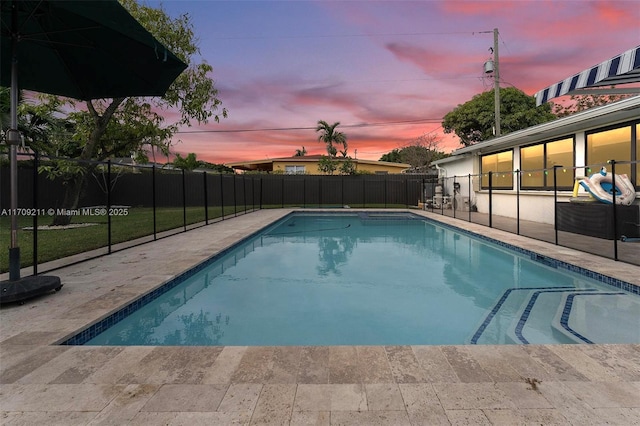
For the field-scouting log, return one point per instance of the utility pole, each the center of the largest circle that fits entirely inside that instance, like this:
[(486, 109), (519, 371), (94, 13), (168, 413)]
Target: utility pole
[(496, 81)]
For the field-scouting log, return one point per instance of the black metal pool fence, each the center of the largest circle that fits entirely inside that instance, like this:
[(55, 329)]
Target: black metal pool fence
[(549, 208), (127, 205)]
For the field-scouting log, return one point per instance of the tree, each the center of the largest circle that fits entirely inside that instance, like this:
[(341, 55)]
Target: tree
[(220, 168), (419, 154), (474, 120), (330, 137), (347, 166), (124, 126), (327, 164), (40, 127), (188, 163), (579, 103), (300, 152), (392, 156)]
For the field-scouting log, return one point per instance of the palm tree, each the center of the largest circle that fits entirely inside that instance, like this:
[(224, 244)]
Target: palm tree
[(38, 124), (300, 152), (330, 137)]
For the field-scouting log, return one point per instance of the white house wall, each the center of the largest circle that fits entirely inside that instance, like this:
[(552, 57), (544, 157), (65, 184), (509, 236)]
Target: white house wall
[(461, 169), (534, 205)]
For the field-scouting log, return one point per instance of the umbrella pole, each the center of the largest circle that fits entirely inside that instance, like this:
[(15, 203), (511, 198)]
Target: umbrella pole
[(18, 289), (13, 138)]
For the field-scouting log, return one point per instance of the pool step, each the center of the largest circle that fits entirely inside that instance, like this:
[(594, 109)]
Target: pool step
[(599, 317), (534, 322), (548, 315)]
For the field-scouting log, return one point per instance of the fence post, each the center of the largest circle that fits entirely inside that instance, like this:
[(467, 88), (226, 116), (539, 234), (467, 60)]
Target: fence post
[(244, 193), (555, 201), (384, 192), (453, 201), (35, 216), (304, 192), (442, 184), (253, 193), (184, 202), (206, 199), (433, 194), (469, 197), (406, 191), (235, 197), (490, 199), (613, 207), (109, 205), (518, 176), (153, 200), (221, 196), (282, 193)]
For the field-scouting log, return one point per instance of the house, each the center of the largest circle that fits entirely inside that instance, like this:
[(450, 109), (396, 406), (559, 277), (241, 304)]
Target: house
[(308, 164), (533, 162), (523, 162)]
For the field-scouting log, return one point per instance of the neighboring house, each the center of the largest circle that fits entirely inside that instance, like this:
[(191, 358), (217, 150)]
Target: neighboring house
[(308, 164), (581, 143)]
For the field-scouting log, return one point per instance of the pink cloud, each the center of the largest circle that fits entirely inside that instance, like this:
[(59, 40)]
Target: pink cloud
[(475, 8)]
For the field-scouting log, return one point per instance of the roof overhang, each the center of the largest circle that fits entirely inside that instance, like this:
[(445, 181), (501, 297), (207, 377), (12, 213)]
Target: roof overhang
[(621, 69)]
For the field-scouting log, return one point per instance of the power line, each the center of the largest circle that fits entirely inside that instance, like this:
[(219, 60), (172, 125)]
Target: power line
[(283, 129), (347, 35)]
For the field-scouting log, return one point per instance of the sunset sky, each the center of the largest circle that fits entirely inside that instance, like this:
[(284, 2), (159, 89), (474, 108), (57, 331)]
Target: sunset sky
[(388, 71)]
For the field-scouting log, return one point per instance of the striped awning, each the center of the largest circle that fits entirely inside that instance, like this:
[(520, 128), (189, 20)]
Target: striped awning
[(621, 69)]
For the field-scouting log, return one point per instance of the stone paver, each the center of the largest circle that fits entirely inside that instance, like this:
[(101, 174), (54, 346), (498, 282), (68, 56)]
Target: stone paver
[(41, 383)]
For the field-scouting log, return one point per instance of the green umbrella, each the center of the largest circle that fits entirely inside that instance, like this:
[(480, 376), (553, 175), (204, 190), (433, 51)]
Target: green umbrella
[(89, 49)]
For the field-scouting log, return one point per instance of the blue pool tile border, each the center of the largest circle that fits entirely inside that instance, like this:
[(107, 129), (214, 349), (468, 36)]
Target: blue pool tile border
[(99, 326), (549, 261)]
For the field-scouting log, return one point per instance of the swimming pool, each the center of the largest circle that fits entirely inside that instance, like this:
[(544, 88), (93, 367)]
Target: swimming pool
[(373, 278)]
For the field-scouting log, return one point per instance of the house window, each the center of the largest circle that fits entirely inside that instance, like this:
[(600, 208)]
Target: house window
[(294, 170), (637, 154), (501, 164), (537, 161), (613, 144)]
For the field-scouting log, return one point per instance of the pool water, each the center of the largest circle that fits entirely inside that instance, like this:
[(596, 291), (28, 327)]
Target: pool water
[(377, 279)]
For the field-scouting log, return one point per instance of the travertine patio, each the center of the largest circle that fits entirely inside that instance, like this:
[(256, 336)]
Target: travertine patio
[(41, 383)]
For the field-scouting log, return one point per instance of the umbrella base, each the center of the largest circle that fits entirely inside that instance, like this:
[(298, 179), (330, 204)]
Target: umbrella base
[(25, 288)]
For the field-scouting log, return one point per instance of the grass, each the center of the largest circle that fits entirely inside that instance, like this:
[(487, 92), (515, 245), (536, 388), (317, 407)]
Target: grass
[(138, 223), (59, 243)]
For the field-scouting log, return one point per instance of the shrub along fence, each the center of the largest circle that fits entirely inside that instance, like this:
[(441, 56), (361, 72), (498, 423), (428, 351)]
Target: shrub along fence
[(120, 205)]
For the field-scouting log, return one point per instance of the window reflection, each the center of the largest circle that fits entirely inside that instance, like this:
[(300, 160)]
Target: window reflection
[(537, 162), (614, 144), (501, 164)]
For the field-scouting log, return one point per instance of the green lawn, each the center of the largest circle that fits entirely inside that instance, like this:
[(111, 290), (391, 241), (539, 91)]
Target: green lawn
[(59, 243)]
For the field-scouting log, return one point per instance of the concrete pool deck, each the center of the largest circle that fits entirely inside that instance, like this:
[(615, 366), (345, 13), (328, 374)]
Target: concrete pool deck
[(41, 383)]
